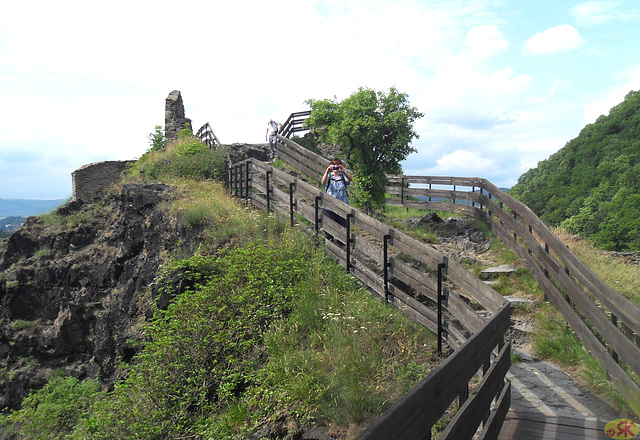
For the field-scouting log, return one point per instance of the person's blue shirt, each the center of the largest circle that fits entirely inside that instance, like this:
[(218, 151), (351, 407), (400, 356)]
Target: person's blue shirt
[(337, 187)]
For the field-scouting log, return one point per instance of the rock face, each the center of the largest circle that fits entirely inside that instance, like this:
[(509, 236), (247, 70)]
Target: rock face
[(74, 294), (174, 117), (240, 152)]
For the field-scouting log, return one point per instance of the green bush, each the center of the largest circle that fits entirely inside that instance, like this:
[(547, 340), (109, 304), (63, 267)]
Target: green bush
[(207, 345), (190, 160), (157, 140), (53, 411)]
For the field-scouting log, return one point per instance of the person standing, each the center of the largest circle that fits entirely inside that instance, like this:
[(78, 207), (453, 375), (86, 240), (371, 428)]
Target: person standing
[(335, 180), (272, 129)]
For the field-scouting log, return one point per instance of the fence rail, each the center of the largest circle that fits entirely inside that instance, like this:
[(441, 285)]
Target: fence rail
[(606, 322), (294, 123), (206, 135), (412, 276)]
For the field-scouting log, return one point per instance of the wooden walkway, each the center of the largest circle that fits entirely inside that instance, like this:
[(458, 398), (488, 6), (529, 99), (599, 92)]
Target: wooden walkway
[(535, 427)]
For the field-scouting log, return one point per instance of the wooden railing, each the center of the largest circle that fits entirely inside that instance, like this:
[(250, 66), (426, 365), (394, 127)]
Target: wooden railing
[(294, 122), (417, 279), (424, 404), (607, 323), (206, 135)]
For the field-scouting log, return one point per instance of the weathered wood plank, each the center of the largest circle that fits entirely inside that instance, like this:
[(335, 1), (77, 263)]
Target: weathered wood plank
[(473, 410), (419, 409), (627, 386), (492, 428)]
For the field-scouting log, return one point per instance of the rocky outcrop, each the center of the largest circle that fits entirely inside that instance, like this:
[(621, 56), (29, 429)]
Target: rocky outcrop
[(240, 152), (174, 117), (75, 293)]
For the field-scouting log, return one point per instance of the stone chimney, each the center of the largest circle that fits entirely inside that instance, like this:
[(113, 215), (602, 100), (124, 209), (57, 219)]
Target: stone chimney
[(174, 119)]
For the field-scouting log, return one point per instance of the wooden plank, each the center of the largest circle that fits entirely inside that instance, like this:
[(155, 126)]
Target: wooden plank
[(422, 315), (626, 348), (533, 426), (420, 281), (370, 278), (454, 337), (626, 386), (417, 249), (474, 287), (493, 427), (471, 356), (622, 307), (414, 304), (307, 211), (313, 156), (369, 248), (315, 169), (424, 404), (300, 163), (468, 418), (463, 313), (436, 180), (433, 193)]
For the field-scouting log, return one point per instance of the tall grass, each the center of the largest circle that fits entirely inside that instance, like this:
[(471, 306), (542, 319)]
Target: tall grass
[(617, 272)]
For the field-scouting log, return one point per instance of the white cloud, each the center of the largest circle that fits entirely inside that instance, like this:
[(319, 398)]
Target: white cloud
[(463, 163), (485, 41), (555, 39), (600, 12), (473, 99)]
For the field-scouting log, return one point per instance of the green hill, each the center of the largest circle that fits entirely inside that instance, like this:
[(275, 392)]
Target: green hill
[(591, 187)]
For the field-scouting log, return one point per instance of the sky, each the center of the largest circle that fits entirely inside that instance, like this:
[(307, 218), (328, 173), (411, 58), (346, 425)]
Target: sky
[(503, 84)]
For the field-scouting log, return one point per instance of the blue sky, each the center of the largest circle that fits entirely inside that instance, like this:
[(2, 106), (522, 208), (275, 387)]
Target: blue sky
[(503, 84)]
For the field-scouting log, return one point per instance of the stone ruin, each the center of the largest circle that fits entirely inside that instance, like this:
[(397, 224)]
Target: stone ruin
[(91, 180), (174, 118)]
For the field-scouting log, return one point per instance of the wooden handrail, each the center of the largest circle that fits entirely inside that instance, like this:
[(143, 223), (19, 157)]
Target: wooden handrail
[(294, 123), (573, 288), (206, 135)]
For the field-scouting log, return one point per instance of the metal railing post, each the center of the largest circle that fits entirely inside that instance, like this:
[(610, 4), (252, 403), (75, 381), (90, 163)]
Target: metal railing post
[(348, 241), (316, 213), (268, 178), (292, 202), (387, 240), (246, 175), (442, 270)]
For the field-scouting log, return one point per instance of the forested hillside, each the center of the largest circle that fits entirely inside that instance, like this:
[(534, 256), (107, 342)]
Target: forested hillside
[(591, 186)]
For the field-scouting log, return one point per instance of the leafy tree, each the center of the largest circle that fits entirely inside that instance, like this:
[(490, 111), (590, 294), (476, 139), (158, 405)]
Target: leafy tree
[(157, 139), (374, 129)]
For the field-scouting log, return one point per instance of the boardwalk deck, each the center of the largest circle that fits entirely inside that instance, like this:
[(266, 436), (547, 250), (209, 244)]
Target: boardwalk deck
[(535, 427)]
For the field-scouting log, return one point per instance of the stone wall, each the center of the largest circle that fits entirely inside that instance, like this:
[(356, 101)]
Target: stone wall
[(91, 180), (174, 118)]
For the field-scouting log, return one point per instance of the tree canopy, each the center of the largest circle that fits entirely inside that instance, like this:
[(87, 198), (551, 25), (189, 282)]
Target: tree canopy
[(375, 130), (591, 185)]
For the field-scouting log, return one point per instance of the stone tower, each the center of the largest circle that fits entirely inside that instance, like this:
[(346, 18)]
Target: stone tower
[(174, 119)]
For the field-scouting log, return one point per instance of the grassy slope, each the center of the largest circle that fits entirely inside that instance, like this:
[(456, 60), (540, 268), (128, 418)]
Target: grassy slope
[(272, 332)]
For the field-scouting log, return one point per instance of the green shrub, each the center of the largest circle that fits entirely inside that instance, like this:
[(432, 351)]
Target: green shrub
[(44, 254), (53, 411), (207, 345), (21, 324), (157, 140), (190, 160)]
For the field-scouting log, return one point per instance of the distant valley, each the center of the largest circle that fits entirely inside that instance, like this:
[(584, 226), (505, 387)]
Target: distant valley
[(27, 207)]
